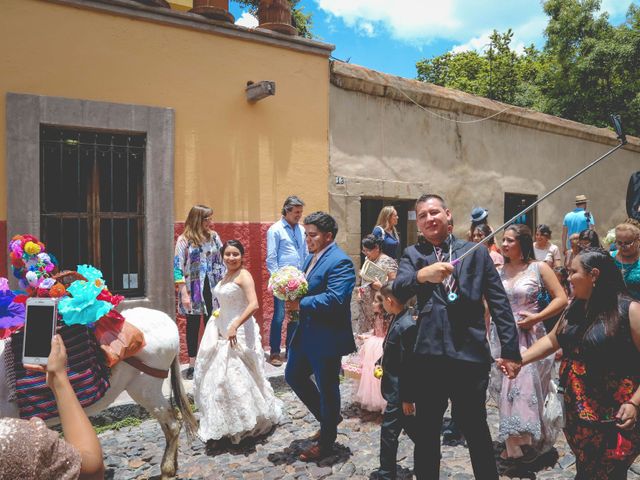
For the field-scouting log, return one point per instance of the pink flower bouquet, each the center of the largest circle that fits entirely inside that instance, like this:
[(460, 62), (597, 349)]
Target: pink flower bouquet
[(288, 283)]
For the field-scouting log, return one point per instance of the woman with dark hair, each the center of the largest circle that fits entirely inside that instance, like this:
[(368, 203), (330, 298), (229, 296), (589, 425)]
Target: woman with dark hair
[(599, 334), (231, 390), (588, 239), (544, 250), (197, 268), (521, 399), (374, 325), (479, 233)]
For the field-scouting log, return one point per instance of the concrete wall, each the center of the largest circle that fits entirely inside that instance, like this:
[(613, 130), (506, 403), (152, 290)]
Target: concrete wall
[(385, 146)]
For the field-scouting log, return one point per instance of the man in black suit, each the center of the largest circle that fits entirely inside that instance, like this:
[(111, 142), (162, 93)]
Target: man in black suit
[(452, 353)]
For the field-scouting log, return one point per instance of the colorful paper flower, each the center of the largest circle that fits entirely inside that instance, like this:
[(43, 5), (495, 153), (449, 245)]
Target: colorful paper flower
[(4, 284), (11, 313), (32, 248), (92, 274), (83, 308), (58, 290)]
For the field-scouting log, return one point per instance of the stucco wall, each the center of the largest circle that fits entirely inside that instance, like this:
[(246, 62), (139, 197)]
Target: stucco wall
[(386, 147), (241, 159)]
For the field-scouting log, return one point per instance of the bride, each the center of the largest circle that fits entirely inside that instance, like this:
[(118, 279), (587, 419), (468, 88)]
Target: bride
[(233, 396)]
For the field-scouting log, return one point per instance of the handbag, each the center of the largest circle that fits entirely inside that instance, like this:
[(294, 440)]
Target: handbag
[(543, 298), (553, 413)]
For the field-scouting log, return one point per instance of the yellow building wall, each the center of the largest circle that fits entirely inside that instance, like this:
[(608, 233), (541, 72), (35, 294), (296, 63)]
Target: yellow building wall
[(241, 159)]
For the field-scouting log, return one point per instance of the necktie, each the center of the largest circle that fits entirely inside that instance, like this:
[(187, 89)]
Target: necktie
[(312, 264), (450, 282)]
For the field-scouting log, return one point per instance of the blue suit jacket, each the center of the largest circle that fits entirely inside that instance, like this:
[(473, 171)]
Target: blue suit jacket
[(325, 312)]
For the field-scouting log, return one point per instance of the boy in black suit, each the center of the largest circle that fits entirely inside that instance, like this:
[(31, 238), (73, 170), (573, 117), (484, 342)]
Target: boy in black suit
[(397, 384)]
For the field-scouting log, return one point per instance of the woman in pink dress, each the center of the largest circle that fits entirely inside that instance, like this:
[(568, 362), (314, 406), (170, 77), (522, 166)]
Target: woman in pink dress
[(376, 323), (522, 399)]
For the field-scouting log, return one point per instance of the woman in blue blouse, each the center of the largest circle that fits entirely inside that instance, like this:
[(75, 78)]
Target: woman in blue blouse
[(197, 268), (626, 257), (386, 230)]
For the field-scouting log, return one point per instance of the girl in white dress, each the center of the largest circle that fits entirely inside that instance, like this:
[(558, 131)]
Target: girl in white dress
[(232, 393)]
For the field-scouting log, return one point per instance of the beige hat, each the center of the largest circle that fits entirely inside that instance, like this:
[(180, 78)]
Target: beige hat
[(581, 199)]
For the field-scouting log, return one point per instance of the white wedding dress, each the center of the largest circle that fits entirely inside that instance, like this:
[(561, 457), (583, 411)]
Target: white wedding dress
[(232, 393)]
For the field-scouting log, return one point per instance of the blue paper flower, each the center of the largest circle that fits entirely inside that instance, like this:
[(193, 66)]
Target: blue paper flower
[(83, 308), (91, 273)]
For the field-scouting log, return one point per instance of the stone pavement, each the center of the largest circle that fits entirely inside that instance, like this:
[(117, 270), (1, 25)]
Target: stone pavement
[(135, 452)]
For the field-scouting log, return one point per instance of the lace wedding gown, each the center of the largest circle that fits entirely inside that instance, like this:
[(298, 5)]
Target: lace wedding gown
[(232, 393)]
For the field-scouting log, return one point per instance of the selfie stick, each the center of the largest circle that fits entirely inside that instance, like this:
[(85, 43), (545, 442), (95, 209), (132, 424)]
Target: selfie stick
[(615, 119)]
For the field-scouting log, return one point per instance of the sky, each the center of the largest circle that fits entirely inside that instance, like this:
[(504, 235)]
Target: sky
[(392, 35)]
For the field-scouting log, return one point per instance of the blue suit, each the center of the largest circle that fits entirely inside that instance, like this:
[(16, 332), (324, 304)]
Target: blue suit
[(322, 337)]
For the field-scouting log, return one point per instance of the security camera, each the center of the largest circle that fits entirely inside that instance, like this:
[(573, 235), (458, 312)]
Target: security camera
[(259, 90)]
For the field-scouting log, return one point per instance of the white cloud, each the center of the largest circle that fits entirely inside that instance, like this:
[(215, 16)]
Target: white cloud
[(367, 29), (247, 20), (465, 22)]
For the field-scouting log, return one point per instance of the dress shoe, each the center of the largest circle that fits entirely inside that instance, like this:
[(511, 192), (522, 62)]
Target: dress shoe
[(314, 453), (274, 359), (316, 436)]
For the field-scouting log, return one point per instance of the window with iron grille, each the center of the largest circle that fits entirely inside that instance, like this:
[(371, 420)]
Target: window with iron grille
[(92, 202)]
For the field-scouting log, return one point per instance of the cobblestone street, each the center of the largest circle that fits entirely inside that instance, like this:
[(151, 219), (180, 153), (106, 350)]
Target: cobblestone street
[(135, 452)]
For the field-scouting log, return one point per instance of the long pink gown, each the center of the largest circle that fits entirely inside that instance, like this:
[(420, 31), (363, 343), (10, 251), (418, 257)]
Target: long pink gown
[(521, 400)]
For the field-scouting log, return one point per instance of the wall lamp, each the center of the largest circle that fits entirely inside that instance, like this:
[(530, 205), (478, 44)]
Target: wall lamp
[(259, 90)]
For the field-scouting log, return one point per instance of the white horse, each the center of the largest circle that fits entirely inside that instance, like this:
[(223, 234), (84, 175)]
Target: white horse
[(160, 352)]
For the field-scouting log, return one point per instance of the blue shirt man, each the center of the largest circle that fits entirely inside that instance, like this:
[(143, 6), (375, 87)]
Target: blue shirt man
[(286, 246), (576, 221)]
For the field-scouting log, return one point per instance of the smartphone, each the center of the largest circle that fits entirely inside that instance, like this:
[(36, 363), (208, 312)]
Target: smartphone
[(39, 329)]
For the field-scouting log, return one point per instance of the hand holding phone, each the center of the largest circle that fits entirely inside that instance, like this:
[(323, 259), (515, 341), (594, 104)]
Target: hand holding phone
[(39, 329)]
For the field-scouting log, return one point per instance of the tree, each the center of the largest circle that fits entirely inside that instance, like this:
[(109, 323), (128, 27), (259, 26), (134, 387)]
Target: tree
[(587, 69), (300, 20), (498, 73)]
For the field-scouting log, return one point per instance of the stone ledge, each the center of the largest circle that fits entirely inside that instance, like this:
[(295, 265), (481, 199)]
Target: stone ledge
[(371, 82), (194, 21)]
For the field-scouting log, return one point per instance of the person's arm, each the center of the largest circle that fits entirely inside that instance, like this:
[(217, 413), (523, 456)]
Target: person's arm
[(558, 299), (272, 250), (406, 281), (542, 348), (628, 414), (557, 258), (408, 375), (499, 306), (76, 427), (564, 239), (342, 279), (245, 281), (179, 269)]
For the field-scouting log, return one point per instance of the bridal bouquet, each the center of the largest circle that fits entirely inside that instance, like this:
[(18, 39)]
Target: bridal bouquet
[(288, 283)]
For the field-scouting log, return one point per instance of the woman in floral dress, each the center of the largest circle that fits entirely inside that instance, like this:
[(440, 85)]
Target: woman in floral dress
[(600, 371), (197, 268)]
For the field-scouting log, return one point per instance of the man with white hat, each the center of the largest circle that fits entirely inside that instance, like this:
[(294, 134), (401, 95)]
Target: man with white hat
[(576, 221)]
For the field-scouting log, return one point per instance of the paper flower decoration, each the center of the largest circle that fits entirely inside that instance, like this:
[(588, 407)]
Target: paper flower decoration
[(83, 308), (4, 284), (11, 313), (92, 274), (57, 291)]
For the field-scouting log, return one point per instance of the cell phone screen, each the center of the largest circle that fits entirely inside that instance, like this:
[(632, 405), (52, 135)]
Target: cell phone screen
[(39, 330)]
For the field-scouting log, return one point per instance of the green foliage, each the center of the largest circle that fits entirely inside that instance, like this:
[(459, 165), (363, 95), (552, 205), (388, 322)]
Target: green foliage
[(587, 69), (300, 20), (125, 422)]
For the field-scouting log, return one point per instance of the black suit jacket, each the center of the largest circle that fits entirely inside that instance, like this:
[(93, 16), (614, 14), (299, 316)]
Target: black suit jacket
[(398, 362), (457, 329)]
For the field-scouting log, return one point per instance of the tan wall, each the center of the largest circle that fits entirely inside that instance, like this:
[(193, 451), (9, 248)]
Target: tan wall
[(389, 148), (242, 159)]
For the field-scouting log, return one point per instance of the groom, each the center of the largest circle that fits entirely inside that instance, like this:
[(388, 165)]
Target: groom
[(324, 333)]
